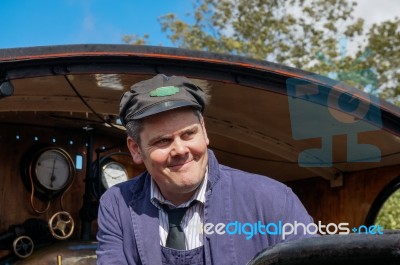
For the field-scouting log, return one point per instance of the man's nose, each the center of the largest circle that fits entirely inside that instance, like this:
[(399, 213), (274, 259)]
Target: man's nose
[(178, 147)]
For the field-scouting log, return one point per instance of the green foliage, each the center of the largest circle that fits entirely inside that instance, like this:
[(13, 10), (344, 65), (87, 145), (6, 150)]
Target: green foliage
[(263, 29), (295, 33), (384, 41), (135, 39), (389, 215)]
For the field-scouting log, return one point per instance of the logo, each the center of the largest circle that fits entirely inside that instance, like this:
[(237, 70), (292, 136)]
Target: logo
[(321, 107), (164, 91), (249, 230)]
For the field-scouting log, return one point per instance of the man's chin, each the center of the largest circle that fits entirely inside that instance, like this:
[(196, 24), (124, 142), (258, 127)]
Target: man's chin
[(187, 187), (187, 190)]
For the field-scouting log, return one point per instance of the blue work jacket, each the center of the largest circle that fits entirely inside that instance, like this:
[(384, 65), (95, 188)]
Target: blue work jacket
[(129, 225)]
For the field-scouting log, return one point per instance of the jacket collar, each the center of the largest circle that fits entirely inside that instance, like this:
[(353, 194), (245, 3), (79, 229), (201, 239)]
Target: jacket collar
[(145, 222), (213, 170)]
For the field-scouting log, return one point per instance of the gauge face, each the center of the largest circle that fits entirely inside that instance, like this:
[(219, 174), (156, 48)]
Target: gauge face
[(112, 174), (53, 169)]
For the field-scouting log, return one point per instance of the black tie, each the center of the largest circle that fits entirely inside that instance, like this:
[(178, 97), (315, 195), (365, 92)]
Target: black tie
[(176, 236)]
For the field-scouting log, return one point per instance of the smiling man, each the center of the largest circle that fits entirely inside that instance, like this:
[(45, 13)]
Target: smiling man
[(173, 147), (179, 210)]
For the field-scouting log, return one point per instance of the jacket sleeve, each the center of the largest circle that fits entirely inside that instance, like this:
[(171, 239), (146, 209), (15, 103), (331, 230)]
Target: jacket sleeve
[(110, 248), (297, 223)]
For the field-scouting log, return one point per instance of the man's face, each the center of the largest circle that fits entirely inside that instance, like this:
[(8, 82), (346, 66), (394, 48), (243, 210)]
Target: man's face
[(174, 150)]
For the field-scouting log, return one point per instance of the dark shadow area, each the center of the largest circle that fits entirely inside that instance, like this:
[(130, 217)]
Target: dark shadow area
[(351, 249)]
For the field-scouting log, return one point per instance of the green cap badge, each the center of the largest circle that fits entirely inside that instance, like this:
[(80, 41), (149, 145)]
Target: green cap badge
[(164, 91)]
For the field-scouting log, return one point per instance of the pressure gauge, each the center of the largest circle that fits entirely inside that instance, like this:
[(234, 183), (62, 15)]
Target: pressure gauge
[(49, 169), (53, 169), (113, 173)]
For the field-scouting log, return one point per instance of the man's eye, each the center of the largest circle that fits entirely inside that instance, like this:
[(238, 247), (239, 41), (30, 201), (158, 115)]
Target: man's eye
[(188, 134), (162, 141)]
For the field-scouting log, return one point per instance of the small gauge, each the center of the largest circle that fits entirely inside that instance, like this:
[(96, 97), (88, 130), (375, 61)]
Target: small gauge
[(113, 173), (53, 169), (50, 169)]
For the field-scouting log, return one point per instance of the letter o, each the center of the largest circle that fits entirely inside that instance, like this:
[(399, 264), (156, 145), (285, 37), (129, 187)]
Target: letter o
[(312, 232), (327, 228)]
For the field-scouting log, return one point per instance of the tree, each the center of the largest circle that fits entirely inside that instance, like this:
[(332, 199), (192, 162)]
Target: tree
[(389, 214), (384, 41), (299, 33)]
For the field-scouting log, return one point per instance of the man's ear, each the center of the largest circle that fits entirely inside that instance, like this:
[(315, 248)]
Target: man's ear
[(134, 149), (204, 131)]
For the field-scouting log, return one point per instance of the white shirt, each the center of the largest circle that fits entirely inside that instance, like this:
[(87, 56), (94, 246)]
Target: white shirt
[(193, 219)]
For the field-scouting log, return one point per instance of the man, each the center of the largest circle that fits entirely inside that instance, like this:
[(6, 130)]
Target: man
[(186, 208)]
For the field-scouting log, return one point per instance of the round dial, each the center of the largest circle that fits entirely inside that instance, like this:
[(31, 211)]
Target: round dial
[(48, 169), (53, 169), (113, 173)]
